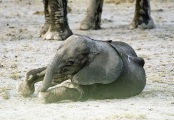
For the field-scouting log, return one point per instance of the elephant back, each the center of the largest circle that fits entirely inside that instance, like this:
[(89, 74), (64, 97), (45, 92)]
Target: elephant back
[(133, 78)]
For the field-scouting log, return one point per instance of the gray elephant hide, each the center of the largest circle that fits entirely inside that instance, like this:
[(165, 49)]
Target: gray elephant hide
[(116, 62)]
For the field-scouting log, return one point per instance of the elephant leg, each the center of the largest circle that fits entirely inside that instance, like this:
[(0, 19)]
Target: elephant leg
[(92, 19), (65, 91), (142, 17), (45, 28), (59, 28), (26, 88)]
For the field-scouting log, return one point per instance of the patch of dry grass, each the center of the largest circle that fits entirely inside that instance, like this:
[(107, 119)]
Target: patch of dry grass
[(15, 76), (127, 116), (4, 93)]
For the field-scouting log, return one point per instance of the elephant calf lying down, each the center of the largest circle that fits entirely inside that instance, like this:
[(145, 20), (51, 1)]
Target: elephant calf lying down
[(95, 69)]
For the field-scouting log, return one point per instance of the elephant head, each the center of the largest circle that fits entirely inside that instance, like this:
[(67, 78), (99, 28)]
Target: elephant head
[(87, 61)]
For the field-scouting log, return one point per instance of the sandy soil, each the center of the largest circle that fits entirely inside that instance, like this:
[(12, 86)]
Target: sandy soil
[(21, 49)]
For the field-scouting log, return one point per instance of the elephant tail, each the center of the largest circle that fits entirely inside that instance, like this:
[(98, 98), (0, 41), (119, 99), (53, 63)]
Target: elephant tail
[(137, 60), (127, 52)]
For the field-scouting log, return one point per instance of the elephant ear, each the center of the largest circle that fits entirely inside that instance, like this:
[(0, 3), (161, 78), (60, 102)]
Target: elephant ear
[(104, 67)]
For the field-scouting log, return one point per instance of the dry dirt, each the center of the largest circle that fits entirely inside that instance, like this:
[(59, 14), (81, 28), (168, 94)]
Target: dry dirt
[(21, 49)]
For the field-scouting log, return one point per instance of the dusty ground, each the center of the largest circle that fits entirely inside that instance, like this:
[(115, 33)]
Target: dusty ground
[(21, 49)]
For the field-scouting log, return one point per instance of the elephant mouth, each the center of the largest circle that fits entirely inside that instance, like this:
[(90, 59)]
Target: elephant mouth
[(59, 78)]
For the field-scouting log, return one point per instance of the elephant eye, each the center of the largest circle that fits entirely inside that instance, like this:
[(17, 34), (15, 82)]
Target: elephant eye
[(84, 54), (70, 62)]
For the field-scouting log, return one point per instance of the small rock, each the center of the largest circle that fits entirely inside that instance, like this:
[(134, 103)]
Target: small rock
[(159, 10), (1, 66), (139, 48)]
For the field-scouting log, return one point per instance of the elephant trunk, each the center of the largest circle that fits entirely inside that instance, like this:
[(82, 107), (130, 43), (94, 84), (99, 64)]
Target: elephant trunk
[(50, 72)]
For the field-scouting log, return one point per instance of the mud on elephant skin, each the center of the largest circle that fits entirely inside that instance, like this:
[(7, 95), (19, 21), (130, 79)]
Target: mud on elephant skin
[(56, 21), (96, 69)]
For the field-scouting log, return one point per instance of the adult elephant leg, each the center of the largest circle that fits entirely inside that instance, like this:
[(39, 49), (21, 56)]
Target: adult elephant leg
[(66, 91), (92, 19), (142, 17), (59, 28), (45, 28)]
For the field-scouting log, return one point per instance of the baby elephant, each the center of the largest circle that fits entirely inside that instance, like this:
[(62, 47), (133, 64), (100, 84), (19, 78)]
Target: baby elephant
[(85, 68)]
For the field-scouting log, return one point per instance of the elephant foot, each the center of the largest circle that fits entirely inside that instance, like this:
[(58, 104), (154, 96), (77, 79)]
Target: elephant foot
[(47, 97), (55, 35), (59, 93), (89, 23), (25, 89), (142, 17), (56, 16), (44, 29), (51, 35), (144, 24)]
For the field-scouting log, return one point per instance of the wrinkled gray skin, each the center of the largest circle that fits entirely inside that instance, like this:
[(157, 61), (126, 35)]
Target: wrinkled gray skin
[(95, 69), (56, 21)]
